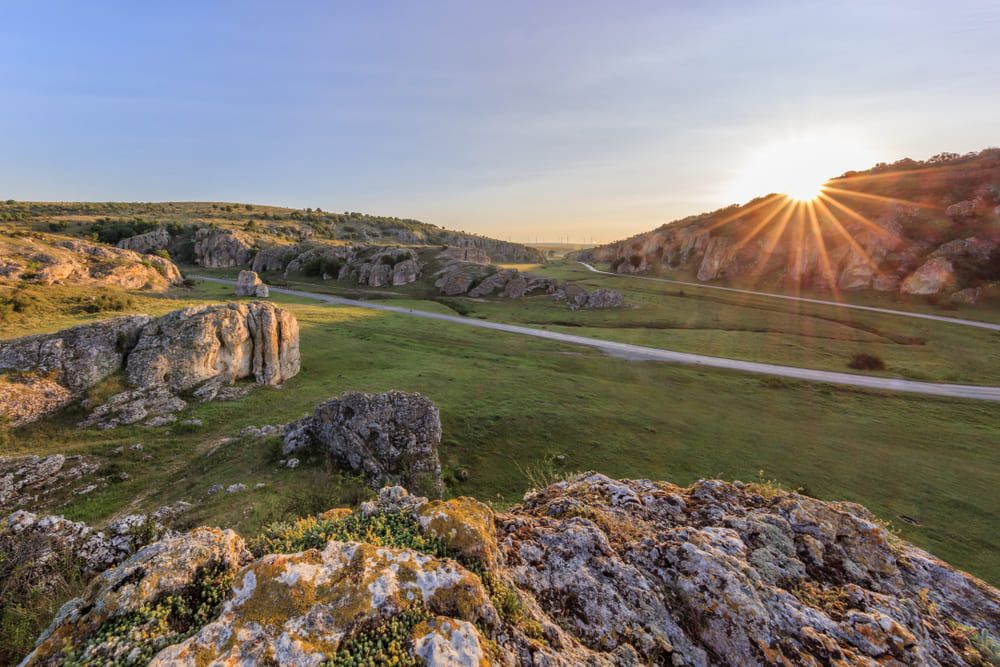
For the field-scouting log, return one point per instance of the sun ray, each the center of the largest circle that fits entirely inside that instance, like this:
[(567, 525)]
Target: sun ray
[(850, 212), (775, 238), (759, 227), (824, 256), (878, 198), (744, 210), (840, 229)]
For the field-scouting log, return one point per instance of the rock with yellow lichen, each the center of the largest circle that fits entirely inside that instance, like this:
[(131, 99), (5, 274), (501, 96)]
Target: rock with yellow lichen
[(589, 571)]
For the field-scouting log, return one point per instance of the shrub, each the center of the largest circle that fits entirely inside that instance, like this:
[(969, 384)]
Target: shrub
[(866, 362)]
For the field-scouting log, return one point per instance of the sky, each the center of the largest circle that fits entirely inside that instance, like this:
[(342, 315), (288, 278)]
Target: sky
[(558, 120)]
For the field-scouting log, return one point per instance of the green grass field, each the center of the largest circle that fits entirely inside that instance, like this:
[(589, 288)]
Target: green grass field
[(511, 405)]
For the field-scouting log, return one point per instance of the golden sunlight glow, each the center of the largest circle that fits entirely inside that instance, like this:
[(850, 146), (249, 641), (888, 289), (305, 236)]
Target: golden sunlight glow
[(798, 165)]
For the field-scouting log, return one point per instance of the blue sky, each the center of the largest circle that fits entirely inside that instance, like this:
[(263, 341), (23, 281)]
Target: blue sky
[(522, 120)]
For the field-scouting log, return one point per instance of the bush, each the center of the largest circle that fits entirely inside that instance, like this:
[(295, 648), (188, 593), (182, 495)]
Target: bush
[(866, 362)]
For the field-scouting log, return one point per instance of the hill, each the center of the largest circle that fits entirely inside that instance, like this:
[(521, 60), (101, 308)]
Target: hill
[(929, 228)]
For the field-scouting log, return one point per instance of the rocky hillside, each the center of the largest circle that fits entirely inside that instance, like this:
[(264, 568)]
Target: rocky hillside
[(49, 259), (588, 571), (187, 230), (914, 227)]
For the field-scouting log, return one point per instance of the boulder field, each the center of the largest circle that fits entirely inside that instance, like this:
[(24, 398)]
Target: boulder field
[(200, 349), (587, 571)]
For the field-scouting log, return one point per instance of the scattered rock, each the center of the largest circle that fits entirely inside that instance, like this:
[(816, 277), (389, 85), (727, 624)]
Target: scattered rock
[(390, 438), (968, 295), (153, 407), (292, 463), (214, 489), (26, 481), (236, 488), (193, 422), (249, 284), (935, 275), (265, 431)]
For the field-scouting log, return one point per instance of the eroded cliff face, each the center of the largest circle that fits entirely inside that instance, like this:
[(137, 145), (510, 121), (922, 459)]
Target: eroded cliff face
[(898, 237), (47, 259), (590, 571)]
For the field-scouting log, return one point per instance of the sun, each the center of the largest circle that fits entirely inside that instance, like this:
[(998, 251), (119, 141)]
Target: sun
[(797, 166)]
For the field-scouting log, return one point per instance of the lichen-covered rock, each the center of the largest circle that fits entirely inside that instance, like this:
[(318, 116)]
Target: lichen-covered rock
[(248, 283), (158, 239), (605, 298), (228, 342), (935, 275), (390, 438), (215, 248), (46, 259), (297, 609), (114, 618), (574, 295), (735, 574), (46, 372), (493, 283)]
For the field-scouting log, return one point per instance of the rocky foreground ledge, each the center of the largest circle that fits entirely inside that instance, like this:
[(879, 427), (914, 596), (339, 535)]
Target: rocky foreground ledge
[(590, 571)]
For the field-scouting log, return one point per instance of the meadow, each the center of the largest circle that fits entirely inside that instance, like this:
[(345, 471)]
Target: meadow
[(518, 412)]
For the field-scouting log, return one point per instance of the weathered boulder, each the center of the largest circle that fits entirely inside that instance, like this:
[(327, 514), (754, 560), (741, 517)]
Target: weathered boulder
[(605, 298), (158, 239), (153, 406), (229, 342), (390, 438), (46, 372), (574, 295), (216, 248), (50, 260), (935, 275), (405, 272), (961, 211), (248, 283), (458, 277), (196, 567), (494, 283)]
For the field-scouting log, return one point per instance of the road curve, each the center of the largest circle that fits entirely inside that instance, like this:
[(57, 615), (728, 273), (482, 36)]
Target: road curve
[(639, 352), (803, 299)]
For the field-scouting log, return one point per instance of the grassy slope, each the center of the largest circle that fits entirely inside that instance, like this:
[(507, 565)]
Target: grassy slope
[(510, 404)]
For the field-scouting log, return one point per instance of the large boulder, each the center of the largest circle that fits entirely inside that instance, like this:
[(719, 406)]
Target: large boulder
[(216, 248), (248, 283), (605, 298), (935, 275), (158, 239), (390, 438), (228, 342), (45, 372)]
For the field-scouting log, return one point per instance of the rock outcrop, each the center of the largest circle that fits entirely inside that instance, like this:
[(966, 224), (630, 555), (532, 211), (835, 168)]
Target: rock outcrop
[(230, 342), (589, 571), (935, 275), (248, 283), (198, 349), (27, 481), (390, 438), (158, 239), (47, 372), (216, 248), (46, 259)]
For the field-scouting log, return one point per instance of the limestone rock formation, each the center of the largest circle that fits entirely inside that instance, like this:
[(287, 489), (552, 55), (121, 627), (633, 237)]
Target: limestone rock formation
[(588, 571), (158, 239), (201, 349), (390, 438), (248, 283), (935, 275), (188, 347), (216, 248), (46, 372), (577, 297), (47, 259)]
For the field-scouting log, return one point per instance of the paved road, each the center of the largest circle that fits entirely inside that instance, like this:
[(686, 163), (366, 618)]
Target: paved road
[(788, 297), (639, 352)]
